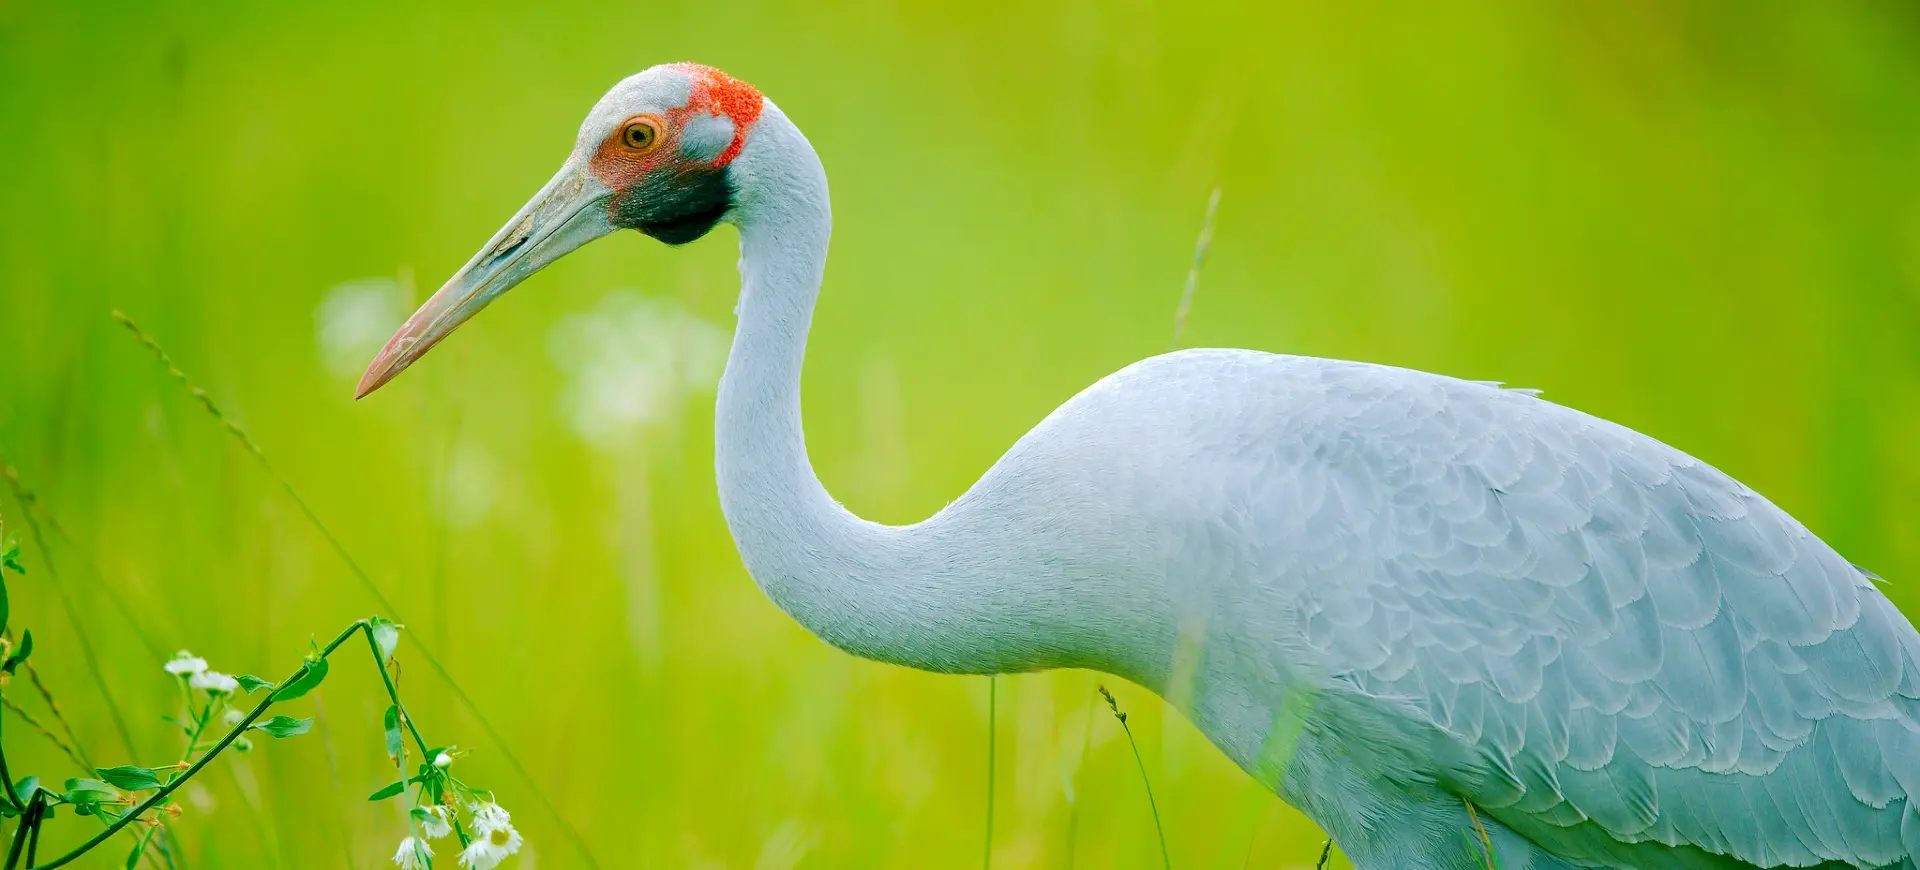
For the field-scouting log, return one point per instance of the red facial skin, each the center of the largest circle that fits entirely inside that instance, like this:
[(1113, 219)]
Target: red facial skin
[(714, 93)]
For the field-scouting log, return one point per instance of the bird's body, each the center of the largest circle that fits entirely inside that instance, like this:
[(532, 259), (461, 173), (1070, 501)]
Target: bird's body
[(1415, 607)]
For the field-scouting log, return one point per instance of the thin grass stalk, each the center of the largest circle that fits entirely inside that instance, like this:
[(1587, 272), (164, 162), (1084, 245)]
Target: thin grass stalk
[(1193, 270), (993, 703), (73, 740), (53, 738), (1153, 806), (6, 780), (34, 508), (366, 582), (87, 655)]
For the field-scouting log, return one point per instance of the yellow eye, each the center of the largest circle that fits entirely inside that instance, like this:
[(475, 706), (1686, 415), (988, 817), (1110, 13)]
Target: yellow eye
[(640, 134)]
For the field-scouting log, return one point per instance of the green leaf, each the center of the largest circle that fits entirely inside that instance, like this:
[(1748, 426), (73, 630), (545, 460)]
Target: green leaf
[(386, 635), (26, 787), (132, 778), (250, 683), (283, 726), (311, 673), (20, 654), (85, 793), (389, 791), (395, 741), (10, 557)]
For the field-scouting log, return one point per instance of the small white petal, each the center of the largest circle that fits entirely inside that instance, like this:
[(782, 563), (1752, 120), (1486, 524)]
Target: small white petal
[(433, 821), (481, 855), (214, 681), (492, 845), (184, 662), (442, 760), (413, 854), (488, 817)]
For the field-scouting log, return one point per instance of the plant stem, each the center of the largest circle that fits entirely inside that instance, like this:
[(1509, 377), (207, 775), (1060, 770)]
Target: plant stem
[(73, 740), (33, 841), (6, 777), (1152, 806), (87, 655), (993, 704), (70, 751), (393, 694), (29, 822), (199, 727), (159, 795), (1193, 271)]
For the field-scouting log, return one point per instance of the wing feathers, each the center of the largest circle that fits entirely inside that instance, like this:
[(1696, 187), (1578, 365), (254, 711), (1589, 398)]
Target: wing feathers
[(1638, 643)]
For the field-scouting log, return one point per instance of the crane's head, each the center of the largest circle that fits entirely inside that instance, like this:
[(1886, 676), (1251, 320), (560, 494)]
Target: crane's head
[(653, 156)]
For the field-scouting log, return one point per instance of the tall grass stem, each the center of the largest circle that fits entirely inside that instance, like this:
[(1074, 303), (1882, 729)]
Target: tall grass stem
[(1153, 806), (1200, 246), (80, 635), (993, 710)]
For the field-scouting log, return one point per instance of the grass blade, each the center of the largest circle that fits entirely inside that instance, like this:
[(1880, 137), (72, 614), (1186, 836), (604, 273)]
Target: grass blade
[(993, 704), (1152, 806), (1200, 246)]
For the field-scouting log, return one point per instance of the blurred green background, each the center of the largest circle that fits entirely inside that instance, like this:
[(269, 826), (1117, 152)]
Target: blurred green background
[(1699, 220)]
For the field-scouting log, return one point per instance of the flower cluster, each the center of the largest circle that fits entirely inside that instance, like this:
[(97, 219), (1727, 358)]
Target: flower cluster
[(444, 806), (208, 694), (487, 838)]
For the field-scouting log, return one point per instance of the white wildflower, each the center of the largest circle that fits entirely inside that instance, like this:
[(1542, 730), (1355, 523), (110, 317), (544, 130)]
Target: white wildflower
[(185, 663), (233, 718), (442, 760), (492, 843), (215, 682), (433, 821), (488, 816), (413, 854)]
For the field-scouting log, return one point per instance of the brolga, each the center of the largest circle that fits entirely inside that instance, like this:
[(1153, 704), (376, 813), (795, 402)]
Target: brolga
[(1414, 607)]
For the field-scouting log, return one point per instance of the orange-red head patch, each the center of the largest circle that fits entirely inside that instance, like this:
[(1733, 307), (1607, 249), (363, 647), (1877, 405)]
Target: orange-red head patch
[(717, 93)]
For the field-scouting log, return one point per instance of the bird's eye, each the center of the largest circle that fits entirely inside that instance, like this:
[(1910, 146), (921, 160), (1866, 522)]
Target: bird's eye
[(640, 134)]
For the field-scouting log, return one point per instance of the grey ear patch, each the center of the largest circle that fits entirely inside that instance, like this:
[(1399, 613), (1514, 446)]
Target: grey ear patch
[(706, 137)]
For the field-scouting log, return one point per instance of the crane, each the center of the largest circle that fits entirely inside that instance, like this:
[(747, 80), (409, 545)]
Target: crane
[(1439, 617)]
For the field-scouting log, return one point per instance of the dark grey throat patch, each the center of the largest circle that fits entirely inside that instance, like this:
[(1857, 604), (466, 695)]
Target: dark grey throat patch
[(675, 209)]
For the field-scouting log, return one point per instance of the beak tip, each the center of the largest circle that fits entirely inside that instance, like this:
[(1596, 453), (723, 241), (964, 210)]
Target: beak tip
[(378, 373)]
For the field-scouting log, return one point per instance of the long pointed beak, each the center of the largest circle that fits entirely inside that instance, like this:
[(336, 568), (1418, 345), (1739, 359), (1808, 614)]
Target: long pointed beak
[(569, 212)]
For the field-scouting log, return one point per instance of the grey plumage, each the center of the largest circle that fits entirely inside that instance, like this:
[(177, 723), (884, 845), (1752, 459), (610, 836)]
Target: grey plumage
[(1624, 644)]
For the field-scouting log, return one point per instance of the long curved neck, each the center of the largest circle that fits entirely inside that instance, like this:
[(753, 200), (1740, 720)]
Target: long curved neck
[(910, 595)]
